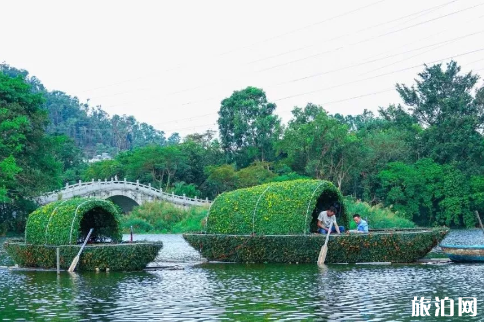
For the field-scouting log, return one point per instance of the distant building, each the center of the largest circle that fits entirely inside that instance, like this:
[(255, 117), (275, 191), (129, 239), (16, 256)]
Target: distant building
[(100, 157)]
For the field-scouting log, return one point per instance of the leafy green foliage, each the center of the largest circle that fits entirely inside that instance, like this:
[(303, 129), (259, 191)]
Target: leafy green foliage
[(422, 159), (26, 164), (247, 126), (427, 193), (119, 257), (392, 246), (319, 146), (182, 188), (278, 208), (443, 102), (68, 221)]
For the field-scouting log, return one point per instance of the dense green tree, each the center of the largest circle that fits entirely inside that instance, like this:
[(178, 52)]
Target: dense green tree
[(319, 145), (220, 179), (103, 170), (201, 151), (443, 102), (90, 127), (255, 174), (427, 193), (29, 163), (248, 127)]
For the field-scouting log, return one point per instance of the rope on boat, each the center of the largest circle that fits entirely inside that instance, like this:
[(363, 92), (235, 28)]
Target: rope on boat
[(50, 218), (255, 209)]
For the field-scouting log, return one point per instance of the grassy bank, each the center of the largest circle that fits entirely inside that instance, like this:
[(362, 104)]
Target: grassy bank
[(377, 216), (162, 217)]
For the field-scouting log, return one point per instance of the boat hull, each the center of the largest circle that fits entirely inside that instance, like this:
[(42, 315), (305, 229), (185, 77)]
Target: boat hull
[(464, 253), (378, 246), (116, 257)]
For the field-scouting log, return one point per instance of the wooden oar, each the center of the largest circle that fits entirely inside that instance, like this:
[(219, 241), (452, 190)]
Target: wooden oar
[(480, 222), (324, 248), (76, 259)]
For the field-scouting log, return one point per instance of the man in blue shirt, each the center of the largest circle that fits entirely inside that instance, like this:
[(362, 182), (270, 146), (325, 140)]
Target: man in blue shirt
[(362, 226)]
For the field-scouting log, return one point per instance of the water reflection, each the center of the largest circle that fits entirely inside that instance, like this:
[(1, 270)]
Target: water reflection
[(236, 292)]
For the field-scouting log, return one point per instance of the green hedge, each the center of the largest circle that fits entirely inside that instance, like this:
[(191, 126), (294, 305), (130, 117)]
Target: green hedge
[(276, 208), (68, 221), (116, 257), (398, 247)]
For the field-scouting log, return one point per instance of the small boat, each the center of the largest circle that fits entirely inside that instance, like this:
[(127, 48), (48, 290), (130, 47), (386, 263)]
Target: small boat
[(65, 224), (276, 223), (464, 253)]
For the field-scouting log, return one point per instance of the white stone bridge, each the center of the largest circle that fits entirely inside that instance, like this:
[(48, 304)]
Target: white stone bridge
[(124, 193)]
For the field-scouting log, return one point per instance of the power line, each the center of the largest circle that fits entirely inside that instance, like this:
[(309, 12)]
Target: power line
[(343, 68), (323, 104), (348, 83), (306, 27), (441, 44), (245, 47), (357, 32), (368, 39), (321, 53), (386, 57), (377, 76)]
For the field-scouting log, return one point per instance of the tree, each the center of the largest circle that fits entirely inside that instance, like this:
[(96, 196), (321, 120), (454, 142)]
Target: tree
[(247, 126), (255, 174), (319, 145), (219, 179), (28, 166), (28, 162), (428, 193), (443, 103)]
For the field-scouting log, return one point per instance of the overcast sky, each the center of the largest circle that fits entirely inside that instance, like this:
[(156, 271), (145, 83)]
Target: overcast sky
[(171, 63)]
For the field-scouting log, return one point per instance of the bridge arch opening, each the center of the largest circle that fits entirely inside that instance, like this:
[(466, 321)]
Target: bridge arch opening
[(127, 204)]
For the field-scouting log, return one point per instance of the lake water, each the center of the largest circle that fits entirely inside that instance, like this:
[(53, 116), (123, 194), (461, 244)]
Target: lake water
[(185, 289)]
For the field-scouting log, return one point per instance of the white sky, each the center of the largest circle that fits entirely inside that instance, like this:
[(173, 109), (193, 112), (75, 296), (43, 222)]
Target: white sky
[(171, 63)]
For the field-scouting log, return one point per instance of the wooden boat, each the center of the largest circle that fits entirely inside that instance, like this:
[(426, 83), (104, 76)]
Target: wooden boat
[(275, 222), (113, 256), (65, 225), (464, 253), (396, 246)]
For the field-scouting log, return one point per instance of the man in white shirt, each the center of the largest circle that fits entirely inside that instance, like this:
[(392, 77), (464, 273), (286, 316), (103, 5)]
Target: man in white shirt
[(325, 219)]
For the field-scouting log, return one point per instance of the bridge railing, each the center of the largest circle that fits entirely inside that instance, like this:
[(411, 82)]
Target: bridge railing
[(81, 186)]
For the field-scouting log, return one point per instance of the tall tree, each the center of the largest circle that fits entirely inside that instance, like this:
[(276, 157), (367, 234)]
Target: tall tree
[(444, 103), (319, 145), (248, 127)]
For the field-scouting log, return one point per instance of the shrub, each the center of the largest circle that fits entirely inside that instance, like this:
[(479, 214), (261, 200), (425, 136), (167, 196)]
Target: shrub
[(276, 208), (65, 222)]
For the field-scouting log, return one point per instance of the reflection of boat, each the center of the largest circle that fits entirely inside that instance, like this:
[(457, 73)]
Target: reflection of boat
[(399, 246), (463, 253), (63, 224)]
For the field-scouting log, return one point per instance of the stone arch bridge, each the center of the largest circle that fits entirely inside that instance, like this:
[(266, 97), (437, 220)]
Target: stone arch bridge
[(124, 193)]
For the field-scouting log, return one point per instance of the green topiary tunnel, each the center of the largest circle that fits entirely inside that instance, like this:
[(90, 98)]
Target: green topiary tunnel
[(276, 208), (68, 222)]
